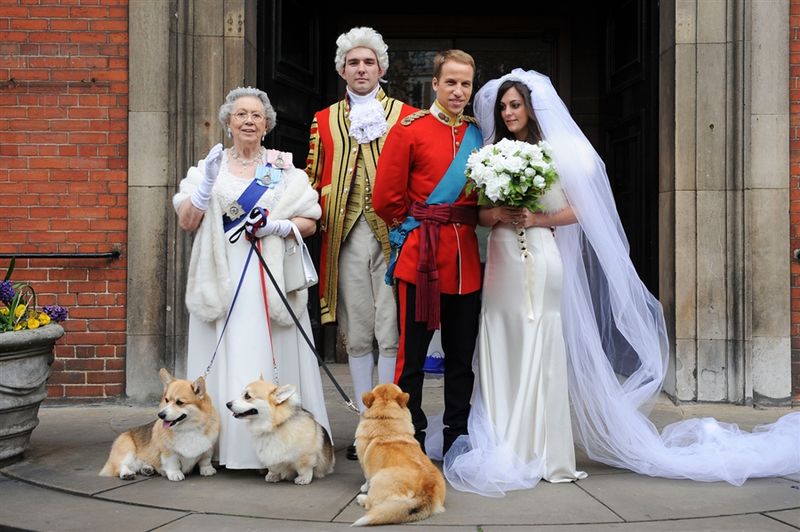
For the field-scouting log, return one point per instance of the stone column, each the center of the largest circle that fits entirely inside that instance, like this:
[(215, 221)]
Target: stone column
[(149, 177), (185, 56), (724, 198), (766, 203)]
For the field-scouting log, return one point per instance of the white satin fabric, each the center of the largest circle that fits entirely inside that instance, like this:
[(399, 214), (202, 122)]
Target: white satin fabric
[(615, 334), (523, 403)]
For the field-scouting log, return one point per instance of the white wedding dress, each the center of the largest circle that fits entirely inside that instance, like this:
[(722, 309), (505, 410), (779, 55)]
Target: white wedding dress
[(519, 427), (523, 362), (246, 350)]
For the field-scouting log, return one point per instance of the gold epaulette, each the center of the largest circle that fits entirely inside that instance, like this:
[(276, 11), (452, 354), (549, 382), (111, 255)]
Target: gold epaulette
[(413, 116), (470, 119)]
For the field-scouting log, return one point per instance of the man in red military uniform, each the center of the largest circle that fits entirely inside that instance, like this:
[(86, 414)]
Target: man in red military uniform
[(419, 193)]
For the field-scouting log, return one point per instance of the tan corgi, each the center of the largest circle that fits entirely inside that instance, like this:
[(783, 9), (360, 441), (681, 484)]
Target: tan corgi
[(184, 435), (402, 483), (287, 439)]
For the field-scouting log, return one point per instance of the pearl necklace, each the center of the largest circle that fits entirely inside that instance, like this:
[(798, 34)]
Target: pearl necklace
[(247, 162)]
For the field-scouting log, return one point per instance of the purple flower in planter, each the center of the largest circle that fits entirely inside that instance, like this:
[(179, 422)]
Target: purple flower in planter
[(6, 292), (57, 313)]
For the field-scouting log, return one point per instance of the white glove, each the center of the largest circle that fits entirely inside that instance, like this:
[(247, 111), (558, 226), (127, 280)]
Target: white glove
[(202, 193), (258, 225), (280, 228)]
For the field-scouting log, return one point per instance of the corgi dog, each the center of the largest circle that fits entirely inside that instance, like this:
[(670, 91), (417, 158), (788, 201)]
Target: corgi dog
[(183, 436), (402, 484), (287, 439)]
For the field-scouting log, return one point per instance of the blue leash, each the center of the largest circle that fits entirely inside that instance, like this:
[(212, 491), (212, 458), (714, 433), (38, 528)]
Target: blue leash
[(230, 309)]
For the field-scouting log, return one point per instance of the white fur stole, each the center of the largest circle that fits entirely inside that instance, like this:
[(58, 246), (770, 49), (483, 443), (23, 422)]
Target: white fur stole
[(209, 287)]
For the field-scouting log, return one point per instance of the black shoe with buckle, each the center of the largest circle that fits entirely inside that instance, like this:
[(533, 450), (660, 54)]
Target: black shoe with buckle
[(351, 452)]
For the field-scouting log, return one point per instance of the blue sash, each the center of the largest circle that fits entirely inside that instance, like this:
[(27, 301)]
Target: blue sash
[(446, 191), (266, 177)]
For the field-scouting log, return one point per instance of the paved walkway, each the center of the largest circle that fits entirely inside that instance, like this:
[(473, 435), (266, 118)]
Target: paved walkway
[(56, 487)]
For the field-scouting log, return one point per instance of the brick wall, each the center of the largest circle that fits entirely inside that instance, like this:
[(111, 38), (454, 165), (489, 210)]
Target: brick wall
[(794, 187), (63, 175)]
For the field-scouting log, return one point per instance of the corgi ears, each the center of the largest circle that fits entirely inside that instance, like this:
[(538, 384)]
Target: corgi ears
[(199, 387), (283, 393), (402, 399), (165, 377), (368, 398)]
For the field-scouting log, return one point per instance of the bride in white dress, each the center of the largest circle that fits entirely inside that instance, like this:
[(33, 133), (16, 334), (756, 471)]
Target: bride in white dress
[(261, 337), (613, 331)]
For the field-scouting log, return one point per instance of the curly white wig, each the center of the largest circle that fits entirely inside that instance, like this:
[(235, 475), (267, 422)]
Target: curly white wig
[(226, 108), (366, 37)]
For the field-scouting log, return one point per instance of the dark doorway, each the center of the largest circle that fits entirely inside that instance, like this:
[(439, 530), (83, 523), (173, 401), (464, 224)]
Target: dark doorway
[(602, 58)]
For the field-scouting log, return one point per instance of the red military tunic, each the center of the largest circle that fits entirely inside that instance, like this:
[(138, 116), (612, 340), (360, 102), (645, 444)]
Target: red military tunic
[(416, 155)]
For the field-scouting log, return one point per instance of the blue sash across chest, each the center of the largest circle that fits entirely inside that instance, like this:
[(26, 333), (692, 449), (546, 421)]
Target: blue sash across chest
[(446, 191), (266, 177)]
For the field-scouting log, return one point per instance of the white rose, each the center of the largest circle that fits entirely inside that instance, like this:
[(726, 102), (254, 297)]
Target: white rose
[(539, 182), (514, 164)]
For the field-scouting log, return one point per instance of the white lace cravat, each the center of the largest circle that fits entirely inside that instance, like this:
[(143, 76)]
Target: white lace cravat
[(367, 120)]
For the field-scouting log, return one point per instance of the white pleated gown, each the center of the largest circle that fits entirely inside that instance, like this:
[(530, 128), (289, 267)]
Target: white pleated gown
[(523, 371)]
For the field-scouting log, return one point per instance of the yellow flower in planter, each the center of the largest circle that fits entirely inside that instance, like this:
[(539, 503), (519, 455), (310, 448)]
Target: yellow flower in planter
[(18, 307)]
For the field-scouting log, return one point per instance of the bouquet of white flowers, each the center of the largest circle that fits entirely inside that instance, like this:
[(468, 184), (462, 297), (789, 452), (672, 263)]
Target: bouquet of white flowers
[(512, 173)]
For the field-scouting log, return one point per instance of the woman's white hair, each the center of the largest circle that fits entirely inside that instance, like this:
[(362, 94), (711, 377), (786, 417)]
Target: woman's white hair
[(226, 108), (366, 37)]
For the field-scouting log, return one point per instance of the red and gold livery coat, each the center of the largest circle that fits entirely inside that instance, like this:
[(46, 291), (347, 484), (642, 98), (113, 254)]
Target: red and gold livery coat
[(332, 158), (415, 157)]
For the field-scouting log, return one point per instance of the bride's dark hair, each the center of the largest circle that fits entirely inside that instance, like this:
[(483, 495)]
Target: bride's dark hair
[(502, 132)]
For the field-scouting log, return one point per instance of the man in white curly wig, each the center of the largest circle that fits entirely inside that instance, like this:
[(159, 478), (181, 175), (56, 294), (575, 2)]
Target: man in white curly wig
[(346, 139)]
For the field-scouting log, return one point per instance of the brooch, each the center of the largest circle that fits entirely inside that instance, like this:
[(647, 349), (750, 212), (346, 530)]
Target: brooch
[(234, 211)]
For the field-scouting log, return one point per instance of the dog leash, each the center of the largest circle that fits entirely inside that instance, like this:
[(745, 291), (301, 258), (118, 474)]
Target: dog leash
[(347, 401), (253, 249), (230, 309)]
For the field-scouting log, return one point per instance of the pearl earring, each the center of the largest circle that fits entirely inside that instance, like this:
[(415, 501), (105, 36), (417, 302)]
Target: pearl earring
[(229, 133)]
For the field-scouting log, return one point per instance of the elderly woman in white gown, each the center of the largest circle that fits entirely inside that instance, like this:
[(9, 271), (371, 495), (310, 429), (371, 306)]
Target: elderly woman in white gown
[(600, 335), (261, 337)]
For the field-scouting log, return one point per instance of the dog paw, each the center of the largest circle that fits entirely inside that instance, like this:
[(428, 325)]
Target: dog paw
[(147, 471), (272, 477), (129, 475), (175, 475), (207, 471), (302, 480), (365, 487), (362, 499)]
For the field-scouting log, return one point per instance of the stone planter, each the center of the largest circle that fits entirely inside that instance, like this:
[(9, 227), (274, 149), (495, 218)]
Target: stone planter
[(25, 358)]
